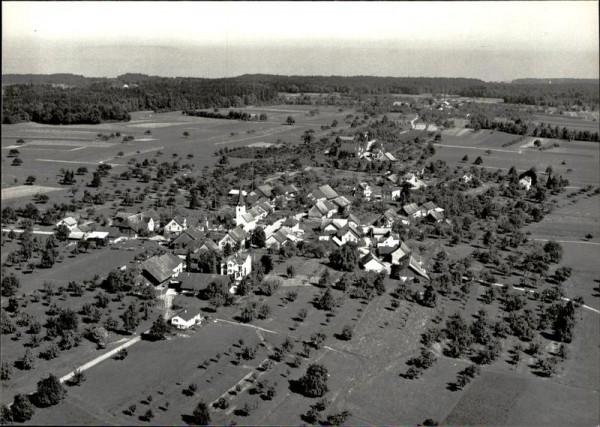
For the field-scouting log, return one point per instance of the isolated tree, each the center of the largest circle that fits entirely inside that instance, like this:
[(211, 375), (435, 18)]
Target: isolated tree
[(326, 301), (478, 161), (314, 382), (22, 410), (96, 180), (290, 120), (5, 371), (201, 414), (27, 362), (259, 238), (13, 152), (267, 263), (17, 162), (49, 391), (131, 317), (564, 323), (553, 251), (30, 180), (308, 136), (347, 333), (159, 328), (10, 285), (186, 134)]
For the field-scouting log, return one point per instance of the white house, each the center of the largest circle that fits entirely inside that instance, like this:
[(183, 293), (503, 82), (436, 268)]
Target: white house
[(371, 263), (238, 266), (185, 319), (69, 222), (525, 182), (175, 227)]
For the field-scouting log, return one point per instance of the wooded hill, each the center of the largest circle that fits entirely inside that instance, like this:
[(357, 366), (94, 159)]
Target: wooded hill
[(71, 99)]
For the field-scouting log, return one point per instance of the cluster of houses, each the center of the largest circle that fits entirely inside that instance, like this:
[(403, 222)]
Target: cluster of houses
[(328, 218)]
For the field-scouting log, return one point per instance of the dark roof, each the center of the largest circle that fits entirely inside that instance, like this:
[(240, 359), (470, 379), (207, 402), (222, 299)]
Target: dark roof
[(160, 268), (328, 191), (195, 281)]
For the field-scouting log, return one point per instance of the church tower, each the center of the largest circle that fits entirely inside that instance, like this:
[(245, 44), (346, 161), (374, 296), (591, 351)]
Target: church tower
[(240, 209)]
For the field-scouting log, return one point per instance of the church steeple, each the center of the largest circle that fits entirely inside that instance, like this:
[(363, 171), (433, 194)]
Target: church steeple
[(240, 209), (241, 201)]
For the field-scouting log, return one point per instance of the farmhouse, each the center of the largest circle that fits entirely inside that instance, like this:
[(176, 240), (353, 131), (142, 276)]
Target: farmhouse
[(159, 270), (186, 236), (186, 319), (235, 237), (238, 266), (412, 210), (175, 226), (371, 263), (322, 209), (68, 222), (143, 222)]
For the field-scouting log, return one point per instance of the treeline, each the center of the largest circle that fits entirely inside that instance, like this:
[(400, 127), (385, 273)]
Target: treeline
[(520, 127), (564, 93), (232, 115), (103, 102)]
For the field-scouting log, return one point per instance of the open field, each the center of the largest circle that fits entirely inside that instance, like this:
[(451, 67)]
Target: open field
[(48, 149), (581, 158), (364, 373), (576, 123)]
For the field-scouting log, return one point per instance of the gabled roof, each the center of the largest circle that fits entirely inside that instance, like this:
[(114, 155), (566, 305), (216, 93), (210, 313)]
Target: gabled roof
[(248, 218), (186, 315), (160, 268), (353, 218), (341, 201), (264, 206), (151, 213), (390, 215), (265, 190), (411, 208), (180, 220), (389, 156), (393, 177), (370, 257), (70, 221), (317, 194), (401, 251), (290, 222), (209, 244), (237, 234), (438, 216), (237, 258), (328, 191), (279, 236), (429, 206), (325, 206)]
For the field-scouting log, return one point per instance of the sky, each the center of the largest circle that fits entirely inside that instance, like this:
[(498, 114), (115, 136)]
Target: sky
[(493, 41)]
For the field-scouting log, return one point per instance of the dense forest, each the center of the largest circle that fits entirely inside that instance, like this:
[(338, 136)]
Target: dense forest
[(71, 99)]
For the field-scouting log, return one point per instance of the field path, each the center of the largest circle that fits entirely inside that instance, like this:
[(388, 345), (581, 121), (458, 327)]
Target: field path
[(412, 122), (102, 357), (577, 242), (500, 285)]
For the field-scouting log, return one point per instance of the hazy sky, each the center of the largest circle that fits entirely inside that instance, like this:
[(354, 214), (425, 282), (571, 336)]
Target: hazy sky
[(487, 40)]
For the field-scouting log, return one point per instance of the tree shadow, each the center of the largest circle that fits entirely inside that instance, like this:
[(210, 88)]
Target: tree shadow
[(189, 419), (452, 386)]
